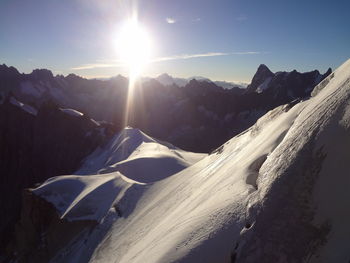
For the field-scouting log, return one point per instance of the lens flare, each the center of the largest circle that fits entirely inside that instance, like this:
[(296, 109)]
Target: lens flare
[(134, 47)]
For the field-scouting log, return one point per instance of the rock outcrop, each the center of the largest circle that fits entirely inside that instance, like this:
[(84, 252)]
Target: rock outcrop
[(37, 145)]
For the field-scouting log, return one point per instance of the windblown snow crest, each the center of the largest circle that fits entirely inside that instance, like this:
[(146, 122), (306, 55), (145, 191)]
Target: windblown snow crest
[(274, 193), (103, 190), (109, 171), (139, 157)]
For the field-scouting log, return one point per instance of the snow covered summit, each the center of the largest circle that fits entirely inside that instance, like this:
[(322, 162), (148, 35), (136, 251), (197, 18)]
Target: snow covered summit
[(138, 157)]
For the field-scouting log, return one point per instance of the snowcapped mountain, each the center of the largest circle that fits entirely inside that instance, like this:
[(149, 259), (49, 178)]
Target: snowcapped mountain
[(48, 127), (139, 157), (198, 117), (274, 193), (168, 80), (130, 157), (295, 84)]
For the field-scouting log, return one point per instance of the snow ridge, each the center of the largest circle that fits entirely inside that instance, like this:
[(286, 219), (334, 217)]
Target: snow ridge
[(283, 180), (138, 157)]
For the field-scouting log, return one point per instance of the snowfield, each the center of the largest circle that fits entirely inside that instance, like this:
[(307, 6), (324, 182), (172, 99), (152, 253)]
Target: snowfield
[(277, 192), (84, 197), (138, 157), (129, 154)]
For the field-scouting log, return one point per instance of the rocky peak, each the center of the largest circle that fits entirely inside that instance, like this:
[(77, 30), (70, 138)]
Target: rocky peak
[(260, 76), (198, 87), (73, 77), (41, 74), (263, 68), (6, 71), (328, 72)]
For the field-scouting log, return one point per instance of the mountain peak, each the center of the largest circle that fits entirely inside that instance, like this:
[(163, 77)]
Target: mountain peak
[(42, 74), (165, 79), (264, 68), (260, 76), (6, 71), (164, 75)]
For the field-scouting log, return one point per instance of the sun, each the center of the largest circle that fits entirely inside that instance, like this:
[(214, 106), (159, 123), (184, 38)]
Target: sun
[(134, 47)]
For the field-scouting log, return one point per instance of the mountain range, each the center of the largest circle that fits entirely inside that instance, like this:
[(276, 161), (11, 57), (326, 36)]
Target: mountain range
[(166, 80), (79, 186), (199, 116)]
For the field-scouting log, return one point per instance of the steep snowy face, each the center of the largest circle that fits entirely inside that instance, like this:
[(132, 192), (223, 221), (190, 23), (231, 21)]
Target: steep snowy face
[(86, 205), (197, 215), (304, 184), (138, 157), (275, 193), (79, 198)]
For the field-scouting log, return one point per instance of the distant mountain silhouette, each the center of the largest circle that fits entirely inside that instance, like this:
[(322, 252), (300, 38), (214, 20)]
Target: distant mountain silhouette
[(167, 80), (186, 116)]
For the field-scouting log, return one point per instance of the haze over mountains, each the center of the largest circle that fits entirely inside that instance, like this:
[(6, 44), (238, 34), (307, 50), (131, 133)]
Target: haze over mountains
[(199, 116), (166, 79)]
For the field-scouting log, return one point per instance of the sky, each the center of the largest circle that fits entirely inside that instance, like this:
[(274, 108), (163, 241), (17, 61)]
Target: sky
[(218, 39)]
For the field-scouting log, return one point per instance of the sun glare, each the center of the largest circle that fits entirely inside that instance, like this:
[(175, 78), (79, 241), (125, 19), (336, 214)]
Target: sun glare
[(134, 47)]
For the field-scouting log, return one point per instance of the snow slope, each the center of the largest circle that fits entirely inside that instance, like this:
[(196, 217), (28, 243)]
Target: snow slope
[(201, 209), (278, 192), (24, 107), (72, 112), (84, 197), (138, 157)]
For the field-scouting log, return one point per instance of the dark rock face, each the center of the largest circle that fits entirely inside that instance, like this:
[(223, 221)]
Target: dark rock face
[(40, 232), (41, 74), (260, 76), (34, 148), (285, 86), (9, 79)]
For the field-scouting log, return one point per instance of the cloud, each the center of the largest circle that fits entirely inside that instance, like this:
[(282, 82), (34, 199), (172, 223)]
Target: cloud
[(118, 63), (201, 55), (188, 56), (242, 17), (170, 20), (196, 19), (96, 65)]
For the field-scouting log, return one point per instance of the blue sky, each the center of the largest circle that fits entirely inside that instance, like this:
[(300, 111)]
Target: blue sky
[(222, 40)]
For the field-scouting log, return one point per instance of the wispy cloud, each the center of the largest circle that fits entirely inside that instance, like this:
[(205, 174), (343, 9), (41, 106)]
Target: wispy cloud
[(97, 65), (118, 63), (188, 56), (170, 20), (201, 55), (196, 19)]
